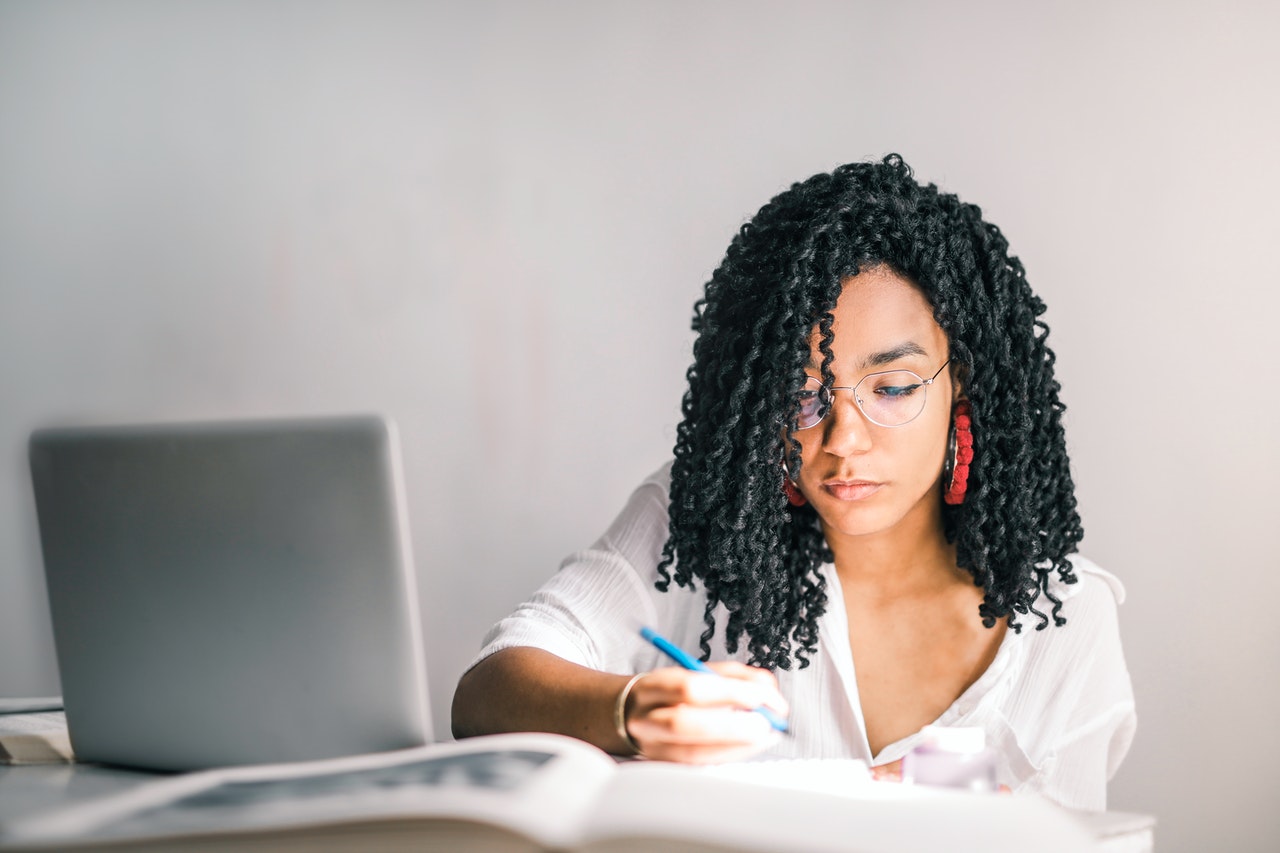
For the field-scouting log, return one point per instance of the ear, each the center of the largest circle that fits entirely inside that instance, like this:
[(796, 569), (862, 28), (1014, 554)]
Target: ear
[(959, 379)]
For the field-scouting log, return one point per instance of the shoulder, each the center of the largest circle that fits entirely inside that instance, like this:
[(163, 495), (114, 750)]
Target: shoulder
[(658, 483), (1095, 594), (1092, 581), (640, 529), (1073, 675), (1091, 608)]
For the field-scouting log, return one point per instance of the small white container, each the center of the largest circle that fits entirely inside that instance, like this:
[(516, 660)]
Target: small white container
[(952, 758)]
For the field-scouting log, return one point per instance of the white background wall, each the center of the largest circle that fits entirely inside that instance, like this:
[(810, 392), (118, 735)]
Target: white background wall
[(482, 217)]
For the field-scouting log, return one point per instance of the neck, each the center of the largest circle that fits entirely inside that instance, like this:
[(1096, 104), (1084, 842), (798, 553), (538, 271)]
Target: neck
[(911, 558)]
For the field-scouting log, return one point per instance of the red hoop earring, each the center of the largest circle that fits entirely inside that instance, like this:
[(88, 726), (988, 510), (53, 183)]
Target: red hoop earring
[(961, 455), (789, 488)]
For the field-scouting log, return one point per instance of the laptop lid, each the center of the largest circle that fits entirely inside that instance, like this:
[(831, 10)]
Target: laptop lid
[(231, 593)]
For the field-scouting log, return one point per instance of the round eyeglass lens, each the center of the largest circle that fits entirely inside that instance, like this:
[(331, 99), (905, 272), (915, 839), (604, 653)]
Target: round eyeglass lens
[(814, 402), (891, 399)]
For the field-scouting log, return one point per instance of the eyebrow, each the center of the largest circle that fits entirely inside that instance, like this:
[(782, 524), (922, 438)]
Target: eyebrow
[(891, 355), (879, 359)]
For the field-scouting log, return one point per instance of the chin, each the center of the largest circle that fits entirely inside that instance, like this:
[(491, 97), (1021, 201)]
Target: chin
[(857, 521), (890, 508)]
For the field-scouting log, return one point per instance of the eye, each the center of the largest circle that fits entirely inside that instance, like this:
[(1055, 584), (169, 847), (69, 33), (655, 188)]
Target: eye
[(896, 385), (897, 390), (811, 403)]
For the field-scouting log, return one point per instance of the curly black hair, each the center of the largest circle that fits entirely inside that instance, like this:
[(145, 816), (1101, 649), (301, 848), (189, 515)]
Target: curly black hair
[(731, 526)]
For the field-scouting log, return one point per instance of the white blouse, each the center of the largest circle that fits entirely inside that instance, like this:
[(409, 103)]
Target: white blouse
[(1056, 705)]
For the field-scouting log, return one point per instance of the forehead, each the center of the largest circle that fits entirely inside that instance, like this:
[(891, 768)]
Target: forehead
[(878, 311)]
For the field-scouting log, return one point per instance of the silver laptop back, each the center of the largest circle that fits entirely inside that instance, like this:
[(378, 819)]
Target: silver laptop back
[(231, 593)]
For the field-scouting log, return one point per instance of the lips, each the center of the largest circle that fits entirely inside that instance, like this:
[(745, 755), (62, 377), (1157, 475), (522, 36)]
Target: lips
[(851, 490)]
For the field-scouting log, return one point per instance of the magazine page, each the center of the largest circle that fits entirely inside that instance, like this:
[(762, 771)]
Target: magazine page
[(37, 737), (534, 785), (655, 806)]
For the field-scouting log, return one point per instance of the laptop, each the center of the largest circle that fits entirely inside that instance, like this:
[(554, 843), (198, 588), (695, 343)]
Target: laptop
[(231, 593)]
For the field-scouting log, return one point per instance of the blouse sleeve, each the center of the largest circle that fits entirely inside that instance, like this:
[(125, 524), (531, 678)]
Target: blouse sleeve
[(1094, 730), (591, 610)]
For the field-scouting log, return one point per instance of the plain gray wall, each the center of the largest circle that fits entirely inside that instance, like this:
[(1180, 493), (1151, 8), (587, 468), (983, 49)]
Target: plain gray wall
[(490, 221)]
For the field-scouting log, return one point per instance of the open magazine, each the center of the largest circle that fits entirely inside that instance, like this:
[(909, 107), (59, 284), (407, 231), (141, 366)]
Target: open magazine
[(540, 792), (34, 737)]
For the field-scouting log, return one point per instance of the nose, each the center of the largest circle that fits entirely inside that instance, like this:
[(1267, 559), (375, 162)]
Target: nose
[(846, 429)]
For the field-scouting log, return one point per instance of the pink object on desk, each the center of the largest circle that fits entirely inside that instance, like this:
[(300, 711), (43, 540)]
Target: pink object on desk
[(952, 758)]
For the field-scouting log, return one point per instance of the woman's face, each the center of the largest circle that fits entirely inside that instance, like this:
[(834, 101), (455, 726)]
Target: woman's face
[(863, 478)]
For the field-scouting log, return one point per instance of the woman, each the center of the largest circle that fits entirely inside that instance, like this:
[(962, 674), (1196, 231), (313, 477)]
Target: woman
[(870, 498)]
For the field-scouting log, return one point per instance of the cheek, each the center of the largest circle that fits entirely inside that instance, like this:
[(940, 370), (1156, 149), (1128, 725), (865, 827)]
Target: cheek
[(810, 444), (934, 453), (920, 459)]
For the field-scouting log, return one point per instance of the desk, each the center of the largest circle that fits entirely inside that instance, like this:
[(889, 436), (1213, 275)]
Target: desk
[(29, 789)]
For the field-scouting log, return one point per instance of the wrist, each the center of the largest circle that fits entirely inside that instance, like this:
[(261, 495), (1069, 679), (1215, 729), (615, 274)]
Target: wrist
[(620, 713)]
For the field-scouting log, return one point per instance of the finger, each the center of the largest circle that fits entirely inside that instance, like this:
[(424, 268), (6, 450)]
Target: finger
[(734, 669), (675, 687), (698, 735), (725, 687), (891, 772), (693, 724), (716, 690), (763, 677), (703, 753)]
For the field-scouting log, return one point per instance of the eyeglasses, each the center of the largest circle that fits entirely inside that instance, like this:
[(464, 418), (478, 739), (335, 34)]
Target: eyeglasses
[(890, 398)]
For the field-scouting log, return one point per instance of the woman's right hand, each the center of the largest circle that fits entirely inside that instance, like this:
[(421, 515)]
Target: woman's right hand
[(674, 714)]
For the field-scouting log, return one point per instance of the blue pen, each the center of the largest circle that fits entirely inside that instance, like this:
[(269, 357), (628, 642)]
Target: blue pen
[(678, 655)]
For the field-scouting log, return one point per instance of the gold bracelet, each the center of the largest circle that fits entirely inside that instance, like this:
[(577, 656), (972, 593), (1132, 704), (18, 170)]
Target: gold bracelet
[(620, 713)]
